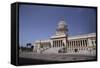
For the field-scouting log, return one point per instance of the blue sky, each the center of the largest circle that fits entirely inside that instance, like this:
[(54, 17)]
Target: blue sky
[(40, 22)]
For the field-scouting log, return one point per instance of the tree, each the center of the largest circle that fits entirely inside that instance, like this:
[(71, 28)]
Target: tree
[(28, 44), (32, 47)]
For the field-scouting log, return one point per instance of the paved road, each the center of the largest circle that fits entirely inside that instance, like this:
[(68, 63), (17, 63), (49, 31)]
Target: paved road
[(56, 57)]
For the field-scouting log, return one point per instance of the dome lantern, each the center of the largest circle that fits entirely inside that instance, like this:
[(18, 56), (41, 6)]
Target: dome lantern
[(62, 27)]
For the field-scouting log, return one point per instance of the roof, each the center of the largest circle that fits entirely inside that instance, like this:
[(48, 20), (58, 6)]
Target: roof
[(82, 36), (70, 37)]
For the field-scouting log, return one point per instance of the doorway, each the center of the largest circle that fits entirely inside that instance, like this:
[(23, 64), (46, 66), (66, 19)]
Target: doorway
[(75, 50)]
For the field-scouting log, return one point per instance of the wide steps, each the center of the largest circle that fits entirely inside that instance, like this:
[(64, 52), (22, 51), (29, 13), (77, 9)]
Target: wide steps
[(52, 50)]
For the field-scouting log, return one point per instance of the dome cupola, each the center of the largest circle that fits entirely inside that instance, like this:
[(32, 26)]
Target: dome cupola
[(61, 27), (62, 24)]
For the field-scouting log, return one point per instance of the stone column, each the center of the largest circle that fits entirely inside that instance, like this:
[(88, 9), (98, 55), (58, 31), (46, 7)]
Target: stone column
[(89, 42), (57, 43), (61, 43)]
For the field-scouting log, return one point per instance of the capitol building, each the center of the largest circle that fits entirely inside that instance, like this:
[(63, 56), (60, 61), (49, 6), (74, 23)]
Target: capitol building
[(62, 43)]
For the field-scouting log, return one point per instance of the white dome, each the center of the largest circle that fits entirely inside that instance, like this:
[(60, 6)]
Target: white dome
[(61, 28), (62, 24)]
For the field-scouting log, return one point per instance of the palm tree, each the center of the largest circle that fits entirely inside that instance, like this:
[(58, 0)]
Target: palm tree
[(28, 44), (32, 47)]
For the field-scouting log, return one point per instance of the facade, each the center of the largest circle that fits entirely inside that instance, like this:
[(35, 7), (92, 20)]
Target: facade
[(61, 43)]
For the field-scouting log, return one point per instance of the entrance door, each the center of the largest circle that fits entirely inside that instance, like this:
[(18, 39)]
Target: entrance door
[(76, 50)]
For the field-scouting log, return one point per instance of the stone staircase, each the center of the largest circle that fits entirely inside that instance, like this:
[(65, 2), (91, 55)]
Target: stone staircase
[(52, 50)]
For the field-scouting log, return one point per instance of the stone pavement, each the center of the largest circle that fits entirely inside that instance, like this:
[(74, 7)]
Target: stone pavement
[(57, 57)]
